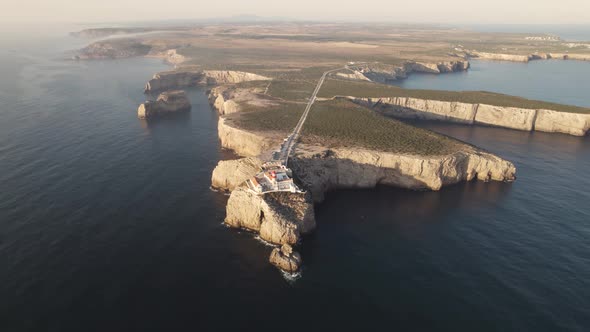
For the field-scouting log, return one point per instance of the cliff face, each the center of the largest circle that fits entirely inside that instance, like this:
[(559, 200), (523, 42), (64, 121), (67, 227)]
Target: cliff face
[(500, 57), (528, 57), (168, 102), (279, 217), (506, 117), (179, 79), (378, 72), (229, 174), (222, 100), (326, 170), (243, 142)]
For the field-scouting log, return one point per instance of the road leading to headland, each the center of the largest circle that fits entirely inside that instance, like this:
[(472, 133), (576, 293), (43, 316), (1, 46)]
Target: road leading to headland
[(292, 139)]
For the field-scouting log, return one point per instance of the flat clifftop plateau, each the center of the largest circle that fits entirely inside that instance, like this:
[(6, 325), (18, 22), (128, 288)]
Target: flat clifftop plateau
[(322, 170), (168, 102), (180, 79), (507, 117)]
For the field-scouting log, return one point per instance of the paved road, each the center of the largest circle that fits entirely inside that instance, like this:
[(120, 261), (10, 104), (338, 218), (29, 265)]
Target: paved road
[(292, 139)]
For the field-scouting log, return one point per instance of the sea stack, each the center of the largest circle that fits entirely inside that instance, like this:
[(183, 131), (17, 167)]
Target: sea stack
[(168, 102), (285, 258)]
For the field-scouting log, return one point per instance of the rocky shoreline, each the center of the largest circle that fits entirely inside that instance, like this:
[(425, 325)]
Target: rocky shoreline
[(382, 73), (284, 218), (526, 58)]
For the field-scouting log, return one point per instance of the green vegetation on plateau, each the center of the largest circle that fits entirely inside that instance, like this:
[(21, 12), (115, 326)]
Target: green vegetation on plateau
[(334, 87), (343, 123), (281, 118)]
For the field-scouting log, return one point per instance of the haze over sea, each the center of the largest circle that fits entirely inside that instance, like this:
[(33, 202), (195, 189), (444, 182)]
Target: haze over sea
[(107, 223)]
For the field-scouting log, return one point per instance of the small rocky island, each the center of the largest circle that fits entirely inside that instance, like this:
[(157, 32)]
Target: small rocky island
[(169, 102)]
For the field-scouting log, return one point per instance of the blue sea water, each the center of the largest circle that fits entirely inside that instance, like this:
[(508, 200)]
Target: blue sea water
[(108, 223)]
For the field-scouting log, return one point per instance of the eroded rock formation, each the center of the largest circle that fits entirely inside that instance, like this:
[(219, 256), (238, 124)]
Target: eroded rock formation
[(229, 174), (379, 72), (279, 217), (168, 102), (285, 258), (188, 78), (322, 170)]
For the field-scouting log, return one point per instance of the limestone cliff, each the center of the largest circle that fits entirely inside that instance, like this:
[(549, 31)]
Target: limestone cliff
[(229, 174), (279, 217), (569, 56), (379, 72), (322, 170), (527, 57), (244, 143), (222, 102), (188, 78), (506, 117), (168, 102)]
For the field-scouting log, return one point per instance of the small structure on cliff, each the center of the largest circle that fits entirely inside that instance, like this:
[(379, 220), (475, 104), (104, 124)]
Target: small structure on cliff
[(273, 177), (168, 102)]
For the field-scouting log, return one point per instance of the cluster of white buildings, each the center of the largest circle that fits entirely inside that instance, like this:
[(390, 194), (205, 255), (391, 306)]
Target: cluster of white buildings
[(543, 38), (274, 177)]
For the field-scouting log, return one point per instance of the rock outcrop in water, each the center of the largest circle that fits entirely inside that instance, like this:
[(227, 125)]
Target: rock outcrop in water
[(506, 117), (285, 258), (189, 78), (169, 102)]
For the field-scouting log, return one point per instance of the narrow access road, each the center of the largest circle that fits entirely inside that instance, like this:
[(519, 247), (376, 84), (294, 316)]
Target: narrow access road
[(292, 139)]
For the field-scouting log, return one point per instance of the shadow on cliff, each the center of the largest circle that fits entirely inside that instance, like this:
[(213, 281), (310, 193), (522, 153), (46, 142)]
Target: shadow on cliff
[(363, 217), (180, 119)]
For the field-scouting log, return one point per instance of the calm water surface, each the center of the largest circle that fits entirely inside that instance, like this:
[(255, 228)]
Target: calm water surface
[(558, 81), (108, 223)]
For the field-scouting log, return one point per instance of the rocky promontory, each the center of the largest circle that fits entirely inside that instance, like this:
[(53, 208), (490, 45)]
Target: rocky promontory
[(322, 170), (279, 217), (168, 102), (381, 73), (113, 49), (190, 78), (500, 116), (229, 174)]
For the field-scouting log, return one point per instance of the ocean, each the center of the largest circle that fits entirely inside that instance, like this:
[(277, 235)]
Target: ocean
[(107, 222)]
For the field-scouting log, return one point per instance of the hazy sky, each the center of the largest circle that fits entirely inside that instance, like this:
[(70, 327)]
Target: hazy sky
[(435, 11)]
